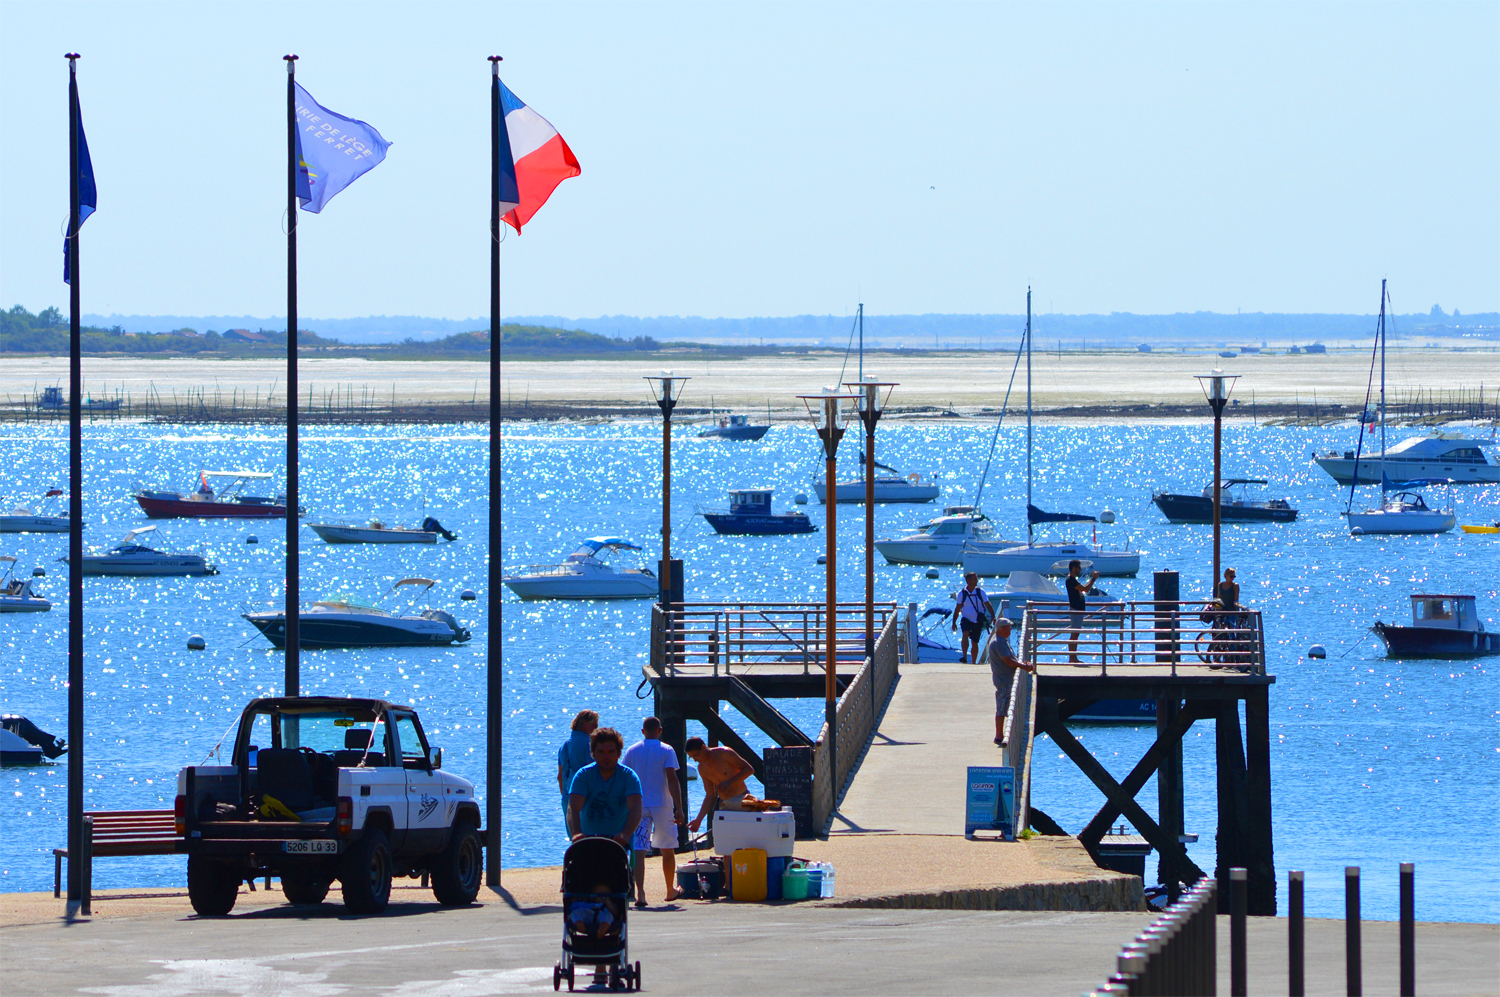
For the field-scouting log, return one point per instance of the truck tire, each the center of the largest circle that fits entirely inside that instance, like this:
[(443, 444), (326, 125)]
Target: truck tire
[(304, 886), (212, 886), (458, 869), (365, 873)]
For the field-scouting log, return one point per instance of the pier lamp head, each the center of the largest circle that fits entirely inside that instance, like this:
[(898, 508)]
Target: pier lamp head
[(870, 401), (1217, 386), (829, 410), (667, 388)]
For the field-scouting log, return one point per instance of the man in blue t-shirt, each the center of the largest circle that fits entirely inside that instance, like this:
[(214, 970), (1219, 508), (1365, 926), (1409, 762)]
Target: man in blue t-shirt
[(574, 755), (605, 798)]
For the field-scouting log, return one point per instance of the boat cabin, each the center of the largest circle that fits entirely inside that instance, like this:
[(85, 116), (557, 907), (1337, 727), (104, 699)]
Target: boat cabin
[(750, 502), (1448, 612)]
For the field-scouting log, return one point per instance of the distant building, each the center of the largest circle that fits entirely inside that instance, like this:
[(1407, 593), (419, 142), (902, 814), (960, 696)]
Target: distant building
[(187, 333), (1317, 348), (1143, 348), (245, 336)]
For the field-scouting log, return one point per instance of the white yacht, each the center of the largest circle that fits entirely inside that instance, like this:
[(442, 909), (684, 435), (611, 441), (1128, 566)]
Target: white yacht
[(131, 558), (586, 574), (1402, 512), (1048, 557), (1026, 587), (345, 620), (888, 488), (16, 594), (1440, 454), (22, 519), (941, 539)]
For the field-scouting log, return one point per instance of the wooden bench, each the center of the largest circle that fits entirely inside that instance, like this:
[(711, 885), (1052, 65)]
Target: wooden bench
[(121, 832)]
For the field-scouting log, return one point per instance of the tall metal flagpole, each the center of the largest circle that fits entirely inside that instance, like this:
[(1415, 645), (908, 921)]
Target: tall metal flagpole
[(494, 708), (1029, 534), (293, 560), (75, 516)]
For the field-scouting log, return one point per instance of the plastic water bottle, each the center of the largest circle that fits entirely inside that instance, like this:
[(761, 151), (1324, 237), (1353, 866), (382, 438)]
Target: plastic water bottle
[(827, 886), (815, 879)]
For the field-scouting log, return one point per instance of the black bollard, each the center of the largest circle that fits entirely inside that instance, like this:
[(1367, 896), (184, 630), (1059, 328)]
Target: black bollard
[(1408, 930), (1295, 938), (1355, 986), (1238, 905)]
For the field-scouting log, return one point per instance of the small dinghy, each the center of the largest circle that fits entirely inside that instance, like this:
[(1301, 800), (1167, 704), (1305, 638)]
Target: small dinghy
[(16, 594), (377, 532)]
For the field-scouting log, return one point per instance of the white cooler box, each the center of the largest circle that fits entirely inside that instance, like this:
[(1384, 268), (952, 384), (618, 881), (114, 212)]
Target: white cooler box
[(774, 831)]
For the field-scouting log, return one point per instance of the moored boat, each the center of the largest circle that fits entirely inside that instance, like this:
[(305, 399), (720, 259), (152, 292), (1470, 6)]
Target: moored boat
[(131, 558), (940, 540), (22, 519), (350, 621), (229, 502), (1440, 454), (1443, 626), (586, 574), (735, 427), (377, 532), (1404, 512), (891, 487), (750, 514), (17, 594), (1235, 505)]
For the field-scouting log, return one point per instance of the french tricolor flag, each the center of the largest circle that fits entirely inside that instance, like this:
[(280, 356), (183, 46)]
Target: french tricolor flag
[(538, 158)]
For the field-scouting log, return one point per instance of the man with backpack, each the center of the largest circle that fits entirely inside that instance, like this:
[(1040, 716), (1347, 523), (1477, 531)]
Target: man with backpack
[(973, 611)]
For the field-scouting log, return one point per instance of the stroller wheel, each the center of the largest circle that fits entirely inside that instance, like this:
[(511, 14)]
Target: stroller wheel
[(570, 979), (616, 983), (637, 977), (557, 976)]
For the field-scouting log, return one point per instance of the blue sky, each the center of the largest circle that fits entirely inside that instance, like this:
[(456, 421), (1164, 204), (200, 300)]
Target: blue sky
[(774, 159)]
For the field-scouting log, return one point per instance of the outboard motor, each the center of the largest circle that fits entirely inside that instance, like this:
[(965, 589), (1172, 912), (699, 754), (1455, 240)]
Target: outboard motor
[(433, 526), (31, 733)]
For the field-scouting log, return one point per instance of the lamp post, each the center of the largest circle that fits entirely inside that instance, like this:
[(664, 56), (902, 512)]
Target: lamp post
[(828, 418), (666, 387), (871, 408), (1216, 388)]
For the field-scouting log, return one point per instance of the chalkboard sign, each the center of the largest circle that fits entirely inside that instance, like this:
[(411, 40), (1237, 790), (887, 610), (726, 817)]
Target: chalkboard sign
[(788, 778)]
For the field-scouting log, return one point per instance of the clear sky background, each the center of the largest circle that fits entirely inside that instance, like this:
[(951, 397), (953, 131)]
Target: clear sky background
[(773, 159)]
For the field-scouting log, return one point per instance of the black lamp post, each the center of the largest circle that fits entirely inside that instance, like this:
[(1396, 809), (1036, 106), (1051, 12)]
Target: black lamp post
[(871, 408), (1216, 388), (666, 387)]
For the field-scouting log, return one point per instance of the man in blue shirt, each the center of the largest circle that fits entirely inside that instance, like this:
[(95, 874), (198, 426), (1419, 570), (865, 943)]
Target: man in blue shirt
[(605, 798), (1003, 665), (574, 755)]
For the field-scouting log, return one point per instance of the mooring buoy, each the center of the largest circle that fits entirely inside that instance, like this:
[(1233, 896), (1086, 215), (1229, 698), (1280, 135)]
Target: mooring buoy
[(800, 498), (468, 595), (1317, 651), (932, 573), (38, 572), (1107, 516), (196, 643), (822, 558), (252, 539)]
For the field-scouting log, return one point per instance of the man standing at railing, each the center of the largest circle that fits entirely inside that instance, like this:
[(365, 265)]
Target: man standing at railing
[(1076, 605), (1003, 665)]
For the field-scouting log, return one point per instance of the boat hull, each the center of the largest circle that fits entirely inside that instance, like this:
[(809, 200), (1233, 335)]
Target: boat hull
[(1109, 564), (1341, 469), (186, 565), (366, 535), (903, 552), (1480, 529), (1436, 642), (34, 524), (158, 506), (759, 526), (336, 630), (35, 604), (1117, 711), (563, 587), (854, 492), (747, 434), (1402, 523), (1197, 509)]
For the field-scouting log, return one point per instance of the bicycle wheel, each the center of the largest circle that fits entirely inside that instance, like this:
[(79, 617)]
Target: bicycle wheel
[(1203, 645)]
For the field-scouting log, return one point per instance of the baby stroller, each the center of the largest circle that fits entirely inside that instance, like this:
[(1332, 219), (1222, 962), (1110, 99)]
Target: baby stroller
[(596, 899)]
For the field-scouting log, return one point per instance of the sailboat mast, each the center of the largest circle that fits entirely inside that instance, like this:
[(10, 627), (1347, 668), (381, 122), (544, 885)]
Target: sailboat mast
[(1382, 390), (861, 340), (1029, 535)]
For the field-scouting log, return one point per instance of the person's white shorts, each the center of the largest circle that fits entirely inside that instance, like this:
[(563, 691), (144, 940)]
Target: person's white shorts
[(656, 829)]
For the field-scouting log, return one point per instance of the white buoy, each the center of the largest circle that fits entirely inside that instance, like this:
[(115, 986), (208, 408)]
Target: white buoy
[(468, 595), (252, 539), (932, 573), (822, 558), (1106, 517), (1358, 531), (196, 643), (38, 572), (1317, 651), (800, 498)]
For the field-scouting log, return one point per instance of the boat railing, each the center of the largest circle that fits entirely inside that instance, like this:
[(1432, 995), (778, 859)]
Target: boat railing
[(532, 570), (1146, 634), (722, 638)]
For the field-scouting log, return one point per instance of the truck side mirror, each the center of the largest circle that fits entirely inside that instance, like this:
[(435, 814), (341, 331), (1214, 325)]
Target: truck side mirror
[(435, 757)]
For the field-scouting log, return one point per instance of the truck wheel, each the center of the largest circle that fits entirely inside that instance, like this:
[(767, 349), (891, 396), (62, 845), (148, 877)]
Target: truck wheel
[(303, 886), (212, 886), (458, 868), (365, 873)]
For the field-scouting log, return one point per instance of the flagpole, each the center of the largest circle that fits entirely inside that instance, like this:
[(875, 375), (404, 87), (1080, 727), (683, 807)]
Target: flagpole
[(495, 701), (293, 561), (76, 862)]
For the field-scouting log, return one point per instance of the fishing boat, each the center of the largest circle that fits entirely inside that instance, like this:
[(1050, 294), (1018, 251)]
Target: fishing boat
[(24, 520), (345, 620), (229, 502), (377, 532), (1443, 626), (131, 558), (1235, 505), (941, 539), (750, 514), (1440, 454), (16, 594), (735, 427), (588, 573)]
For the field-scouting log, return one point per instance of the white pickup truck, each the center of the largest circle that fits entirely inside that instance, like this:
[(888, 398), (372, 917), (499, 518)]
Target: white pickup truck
[(322, 789)]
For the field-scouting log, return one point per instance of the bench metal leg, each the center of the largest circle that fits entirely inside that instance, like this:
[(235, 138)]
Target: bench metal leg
[(88, 866), (58, 854)]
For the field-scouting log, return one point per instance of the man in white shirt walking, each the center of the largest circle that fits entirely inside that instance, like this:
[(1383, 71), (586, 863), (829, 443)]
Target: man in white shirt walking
[(655, 764)]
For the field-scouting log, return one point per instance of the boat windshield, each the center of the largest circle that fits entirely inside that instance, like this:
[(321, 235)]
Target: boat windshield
[(347, 599)]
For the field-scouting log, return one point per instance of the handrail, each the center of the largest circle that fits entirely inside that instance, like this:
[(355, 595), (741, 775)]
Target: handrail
[(721, 636), (1167, 634)]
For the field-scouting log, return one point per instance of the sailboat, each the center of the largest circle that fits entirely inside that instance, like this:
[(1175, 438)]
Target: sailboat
[(1402, 509), (1044, 557)]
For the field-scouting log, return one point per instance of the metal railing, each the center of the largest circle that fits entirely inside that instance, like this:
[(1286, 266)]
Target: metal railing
[(717, 637), (856, 715), (1177, 956), (1167, 634)]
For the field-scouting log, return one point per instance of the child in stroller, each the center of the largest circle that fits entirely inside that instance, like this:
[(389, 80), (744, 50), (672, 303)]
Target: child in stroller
[(596, 893)]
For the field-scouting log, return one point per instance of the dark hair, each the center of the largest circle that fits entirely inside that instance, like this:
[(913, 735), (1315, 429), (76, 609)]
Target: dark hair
[(585, 717), (603, 734), (694, 744), (1075, 563), (650, 724)]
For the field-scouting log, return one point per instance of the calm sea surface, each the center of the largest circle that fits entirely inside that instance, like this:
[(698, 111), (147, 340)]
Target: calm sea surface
[(1374, 761)]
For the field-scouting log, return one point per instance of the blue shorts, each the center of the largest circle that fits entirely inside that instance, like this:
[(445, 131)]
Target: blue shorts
[(973, 628)]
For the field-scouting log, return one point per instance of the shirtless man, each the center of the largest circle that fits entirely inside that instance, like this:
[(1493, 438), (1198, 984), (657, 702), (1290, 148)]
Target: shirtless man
[(723, 773)]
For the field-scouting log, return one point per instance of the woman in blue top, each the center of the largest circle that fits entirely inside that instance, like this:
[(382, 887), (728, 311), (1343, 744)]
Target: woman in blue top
[(605, 798), (574, 755)]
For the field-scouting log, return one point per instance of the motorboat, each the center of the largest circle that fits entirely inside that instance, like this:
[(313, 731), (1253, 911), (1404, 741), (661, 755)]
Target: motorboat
[(14, 750), (131, 558), (941, 539), (932, 644), (1117, 711), (1403, 512), (24, 743), (1024, 588), (588, 573), (1439, 454), (22, 519), (1047, 557), (377, 532), (890, 487), (16, 594), (1235, 505), (750, 514), (345, 620), (229, 502), (735, 427), (1492, 529), (1443, 626)]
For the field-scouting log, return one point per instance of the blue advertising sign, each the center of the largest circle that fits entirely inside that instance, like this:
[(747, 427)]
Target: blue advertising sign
[(990, 801)]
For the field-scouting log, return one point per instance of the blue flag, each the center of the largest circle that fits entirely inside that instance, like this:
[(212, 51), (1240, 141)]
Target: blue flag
[(332, 151), (88, 194)]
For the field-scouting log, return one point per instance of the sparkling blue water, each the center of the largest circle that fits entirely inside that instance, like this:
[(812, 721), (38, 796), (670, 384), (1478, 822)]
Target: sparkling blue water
[(1374, 761)]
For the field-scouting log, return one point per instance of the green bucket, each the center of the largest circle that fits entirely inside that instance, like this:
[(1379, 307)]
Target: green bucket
[(794, 883)]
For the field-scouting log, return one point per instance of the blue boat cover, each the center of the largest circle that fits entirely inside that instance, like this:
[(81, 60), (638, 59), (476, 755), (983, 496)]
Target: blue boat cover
[(1035, 515)]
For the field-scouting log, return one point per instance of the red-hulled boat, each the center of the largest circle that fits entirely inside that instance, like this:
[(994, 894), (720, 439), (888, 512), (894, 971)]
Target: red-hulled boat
[(228, 502)]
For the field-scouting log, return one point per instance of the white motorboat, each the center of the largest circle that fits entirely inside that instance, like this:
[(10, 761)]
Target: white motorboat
[(16, 594), (1440, 454), (345, 620), (932, 642), (888, 488), (941, 539), (1402, 512), (1048, 557), (1024, 588), (131, 558), (22, 519), (377, 532), (588, 573)]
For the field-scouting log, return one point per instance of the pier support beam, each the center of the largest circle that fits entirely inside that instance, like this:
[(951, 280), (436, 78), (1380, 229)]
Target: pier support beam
[(1233, 810), (1258, 845), (1169, 793)]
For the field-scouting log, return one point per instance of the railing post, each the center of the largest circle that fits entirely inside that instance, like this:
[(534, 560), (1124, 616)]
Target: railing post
[(1239, 904), (1408, 930), (88, 866), (1295, 937), (1352, 961)]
